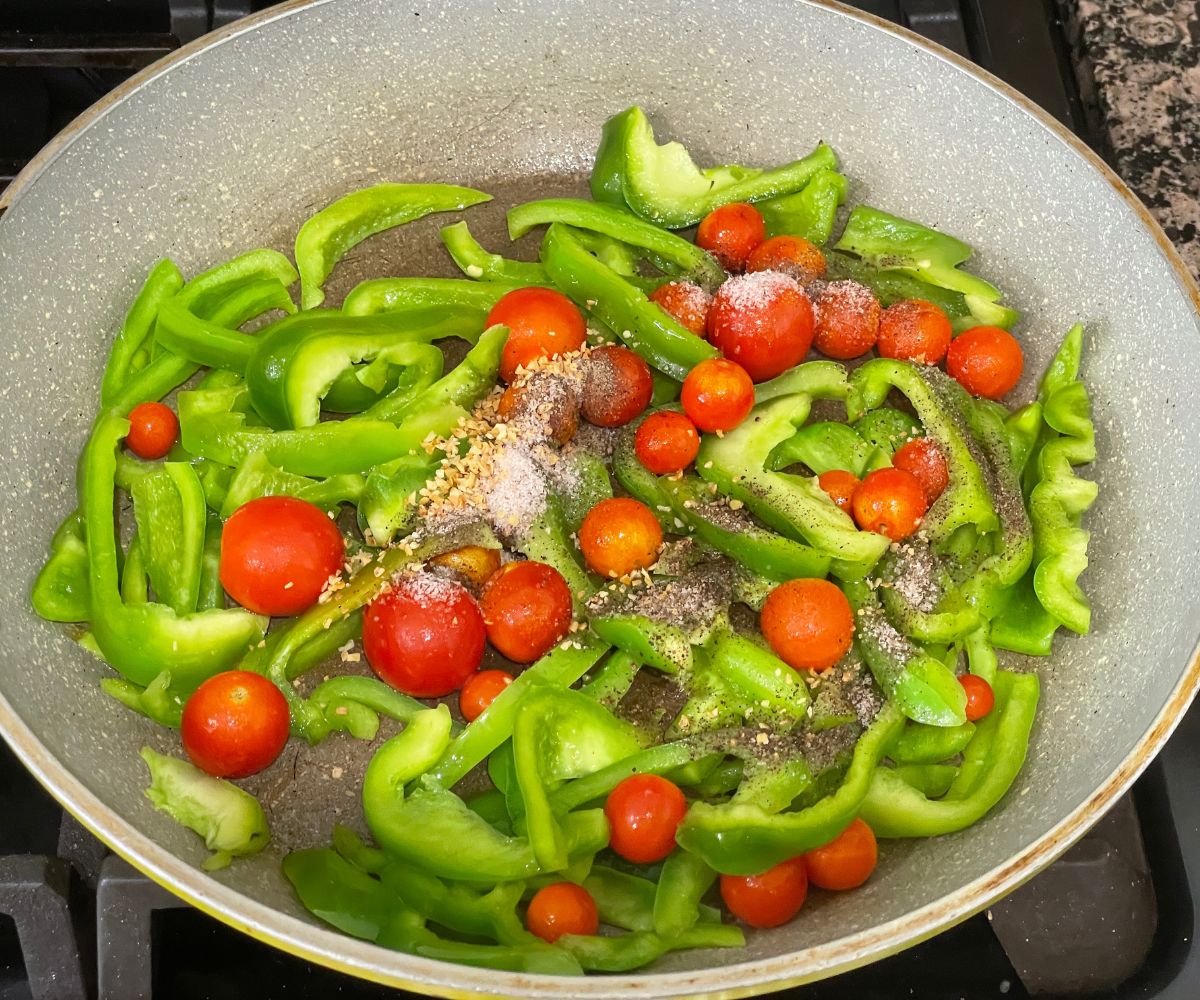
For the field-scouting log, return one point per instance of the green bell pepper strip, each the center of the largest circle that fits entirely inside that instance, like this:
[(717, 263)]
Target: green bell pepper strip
[(887, 429), (384, 295), (819, 379), (792, 504), (363, 700), (950, 618), (248, 301), (659, 759), (640, 483), (60, 590), (476, 263), (981, 655), (623, 900), (339, 893), (828, 445), (809, 212), (656, 644), (891, 243), (1023, 625), (387, 506), (686, 260), (663, 183), (921, 744), (135, 581), (760, 675), (684, 880), (205, 293), (931, 780), (163, 281), (202, 341), (548, 540), (891, 287), (745, 839), (588, 475), (326, 237), (612, 680), (230, 819), (140, 640), (637, 948), (171, 516), (156, 701), (893, 808), (256, 477), (621, 306), (607, 181), (1023, 427), (210, 593), (967, 499)]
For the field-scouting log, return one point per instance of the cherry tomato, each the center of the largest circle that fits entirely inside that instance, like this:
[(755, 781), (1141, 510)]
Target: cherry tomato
[(923, 459), (915, 330), (792, 255), (847, 861), (717, 395), (769, 899), (480, 691), (424, 636), (526, 607), (619, 536), (617, 387), (846, 320), (986, 360), (153, 430), (666, 442), (890, 502), (980, 697), (763, 321), (808, 623), (686, 302), (730, 232), (544, 404), (235, 724), (840, 485), (277, 554), (562, 908), (473, 563), (644, 812), (541, 323)]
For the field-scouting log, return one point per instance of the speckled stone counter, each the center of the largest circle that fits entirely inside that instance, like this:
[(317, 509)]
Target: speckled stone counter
[(1139, 63)]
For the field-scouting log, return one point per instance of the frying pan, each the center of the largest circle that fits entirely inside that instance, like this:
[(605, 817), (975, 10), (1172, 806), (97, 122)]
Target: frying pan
[(231, 142)]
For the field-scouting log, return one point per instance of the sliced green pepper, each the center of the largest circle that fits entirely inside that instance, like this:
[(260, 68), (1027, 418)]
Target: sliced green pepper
[(887, 429), (828, 445), (169, 508), (256, 477), (809, 212), (475, 262), (163, 281), (384, 295), (60, 591), (921, 744)]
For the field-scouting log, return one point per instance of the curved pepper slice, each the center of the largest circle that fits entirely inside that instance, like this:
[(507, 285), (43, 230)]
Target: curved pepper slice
[(163, 281), (326, 237), (383, 295), (60, 591), (169, 508), (829, 445), (810, 212), (475, 262), (921, 744)]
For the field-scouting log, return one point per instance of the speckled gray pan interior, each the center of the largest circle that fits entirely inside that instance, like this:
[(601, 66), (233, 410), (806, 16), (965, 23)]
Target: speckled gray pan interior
[(234, 143)]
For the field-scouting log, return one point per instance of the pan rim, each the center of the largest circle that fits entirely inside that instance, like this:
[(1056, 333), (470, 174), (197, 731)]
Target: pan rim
[(366, 960)]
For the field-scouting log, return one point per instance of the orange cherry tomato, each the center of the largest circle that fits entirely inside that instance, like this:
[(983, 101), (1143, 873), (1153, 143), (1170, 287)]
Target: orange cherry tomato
[(981, 699), (686, 302), (730, 232), (618, 536), (914, 330), (840, 485), (890, 502), (153, 430), (847, 861), (808, 623), (846, 321), (792, 255), (480, 691), (923, 458), (562, 908), (986, 361), (717, 395), (526, 607), (277, 554), (666, 442), (235, 724), (769, 899), (644, 812), (763, 321), (617, 387), (541, 323)]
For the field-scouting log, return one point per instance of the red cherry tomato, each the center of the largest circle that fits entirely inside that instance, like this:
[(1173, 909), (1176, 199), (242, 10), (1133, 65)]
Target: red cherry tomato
[(617, 387), (666, 442), (769, 899), (562, 908), (644, 812), (986, 360), (541, 323), (619, 536), (234, 724), (890, 502), (808, 623), (981, 699), (923, 458), (686, 302), (480, 691), (424, 636), (526, 607), (277, 554), (763, 321), (914, 330), (153, 430), (847, 861), (717, 395), (840, 485), (793, 255), (730, 232), (846, 320)]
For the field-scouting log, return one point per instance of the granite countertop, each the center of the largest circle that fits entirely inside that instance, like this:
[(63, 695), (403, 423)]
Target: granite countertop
[(1139, 67)]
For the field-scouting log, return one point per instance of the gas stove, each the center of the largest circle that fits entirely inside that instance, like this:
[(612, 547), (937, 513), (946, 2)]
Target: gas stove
[(1112, 919)]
